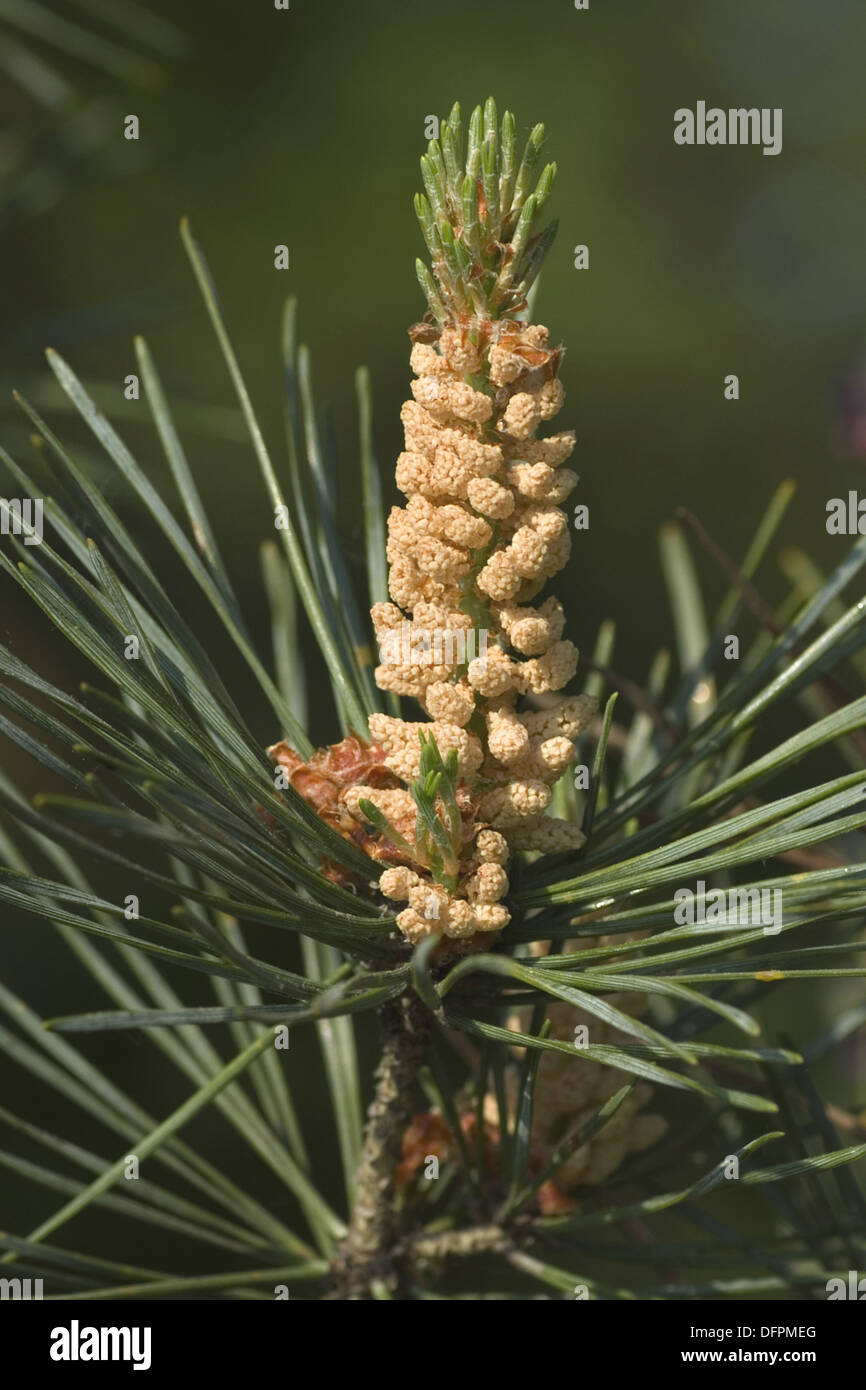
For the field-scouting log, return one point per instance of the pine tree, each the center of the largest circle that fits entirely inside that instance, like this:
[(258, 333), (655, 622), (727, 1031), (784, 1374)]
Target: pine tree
[(537, 994)]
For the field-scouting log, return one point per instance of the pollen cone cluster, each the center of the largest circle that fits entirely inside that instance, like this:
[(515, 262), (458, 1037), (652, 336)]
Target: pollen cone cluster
[(568, 1094), (467, 633), (481, 531), (569, 1091)]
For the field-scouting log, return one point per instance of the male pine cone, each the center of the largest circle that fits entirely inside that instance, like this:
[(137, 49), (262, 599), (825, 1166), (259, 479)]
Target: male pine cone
[(481, 532)]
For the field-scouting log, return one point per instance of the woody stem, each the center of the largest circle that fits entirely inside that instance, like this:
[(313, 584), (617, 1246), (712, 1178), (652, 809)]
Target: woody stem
[(366, 1253)]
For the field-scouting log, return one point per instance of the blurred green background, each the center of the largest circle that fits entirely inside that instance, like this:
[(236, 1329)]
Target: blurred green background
[(304, 127)]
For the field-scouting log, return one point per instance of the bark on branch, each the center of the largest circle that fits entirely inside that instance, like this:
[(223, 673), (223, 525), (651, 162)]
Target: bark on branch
[(367, 1252)]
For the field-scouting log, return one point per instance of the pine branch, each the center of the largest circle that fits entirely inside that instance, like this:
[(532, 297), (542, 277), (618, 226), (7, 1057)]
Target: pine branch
[(158, 751), (368, 1252)]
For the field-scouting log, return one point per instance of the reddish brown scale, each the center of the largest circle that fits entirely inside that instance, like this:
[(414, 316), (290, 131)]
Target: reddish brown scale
[(429, 1135), (323, 781)]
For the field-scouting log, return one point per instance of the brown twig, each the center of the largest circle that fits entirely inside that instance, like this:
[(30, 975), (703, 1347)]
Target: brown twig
[(475, 1240), (753, 600), (639, 700), (367, 1252), (854, 1125)]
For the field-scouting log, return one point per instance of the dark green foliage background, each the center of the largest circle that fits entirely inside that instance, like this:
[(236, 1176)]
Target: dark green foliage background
[(304, 127)]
